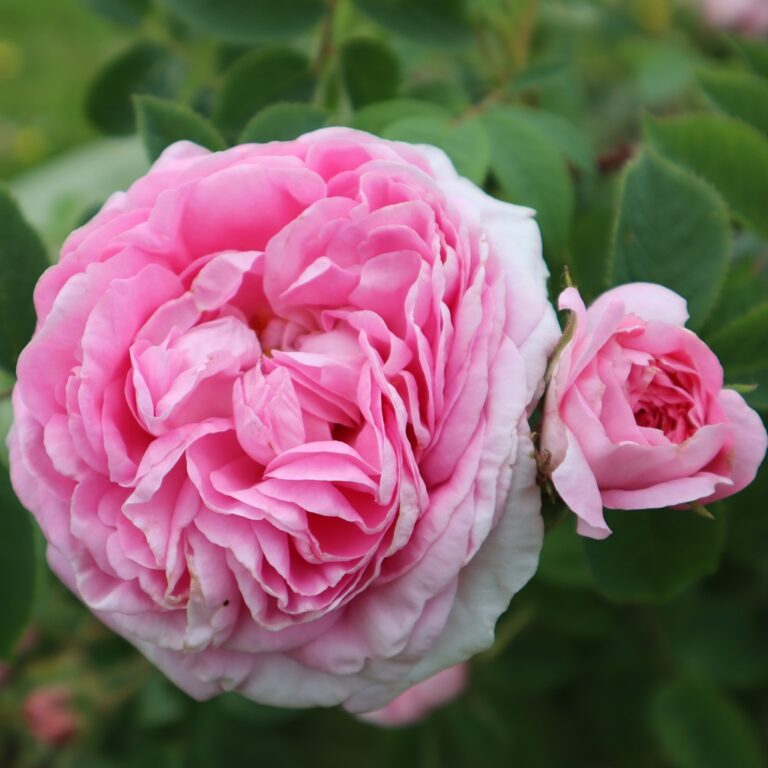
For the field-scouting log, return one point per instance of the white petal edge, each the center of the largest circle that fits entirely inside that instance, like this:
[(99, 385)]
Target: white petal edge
[(503, 565)]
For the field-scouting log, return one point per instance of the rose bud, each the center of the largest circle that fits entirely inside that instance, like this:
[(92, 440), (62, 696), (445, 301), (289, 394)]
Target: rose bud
[(273, 420), (50, 716), (417, 702), (636, 416)]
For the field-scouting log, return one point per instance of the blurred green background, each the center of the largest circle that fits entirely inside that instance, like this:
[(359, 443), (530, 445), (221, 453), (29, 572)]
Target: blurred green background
[(645, 651)]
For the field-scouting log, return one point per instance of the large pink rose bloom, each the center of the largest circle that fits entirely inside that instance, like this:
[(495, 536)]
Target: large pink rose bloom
[(636, 416), (748, 17), (273, 418)]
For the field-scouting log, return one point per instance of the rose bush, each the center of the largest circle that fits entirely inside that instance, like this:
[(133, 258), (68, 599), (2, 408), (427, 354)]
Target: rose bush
[(416, 703), (273, 419), (636, 416)]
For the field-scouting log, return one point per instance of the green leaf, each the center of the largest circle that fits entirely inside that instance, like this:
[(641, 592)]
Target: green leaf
[(755, 54), (449, 94), (562, 562), (742, 346), (22, 261), (128, 12), (143, 68), (728, 153), (740, 94), (719, 637), (256, 715), (590, 249), (531, 172), (247, 21), (159, 704), (673, 229), (283, 122), (466, 143), (162, 122), (432, 22), (17, 566), (370, 70), (376, 117), (54, 195), (6, 417), (258, 79), (748, 526), (746, 284), (652, 555), (698, 727), (572, 142)]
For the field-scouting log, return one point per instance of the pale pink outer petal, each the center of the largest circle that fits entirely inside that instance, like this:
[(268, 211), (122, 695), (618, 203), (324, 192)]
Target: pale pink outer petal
[(513, 234), (667, 494), (749, 446), (646, 300), (576, 484), (417, 702), (503, 565)]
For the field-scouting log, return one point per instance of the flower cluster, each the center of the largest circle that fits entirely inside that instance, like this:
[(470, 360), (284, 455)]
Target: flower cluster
[(274, 418)]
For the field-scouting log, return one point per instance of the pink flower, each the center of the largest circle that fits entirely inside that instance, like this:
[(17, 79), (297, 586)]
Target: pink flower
[(636, 416), (748, 17), (417, 702), (50, 717), (273, 420)]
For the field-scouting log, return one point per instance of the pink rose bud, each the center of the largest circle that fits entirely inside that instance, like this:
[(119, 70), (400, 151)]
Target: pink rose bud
[(417, 702), (50, 717), (747, 17), (273, 420), (636, 416)]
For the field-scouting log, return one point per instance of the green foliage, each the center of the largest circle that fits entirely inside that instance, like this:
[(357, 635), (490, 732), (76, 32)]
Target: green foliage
[(129, 12), (17, 567), (742, 346), (431, 22), (563, 562), (466, 143), (755, 53), (247, 21), (144, 68), (371, 71), (283, 122), (376, 117), (748, 528), (22, 261), (740, 94), (530, 171), (161, 122), (673, 229), (257, 80), (698, 727), (614, 655), (729, 154), (572, 142), (641, 561), (719, 638)]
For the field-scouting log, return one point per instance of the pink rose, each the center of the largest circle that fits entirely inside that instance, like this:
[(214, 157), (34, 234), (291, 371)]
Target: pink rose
[(636, 416), (273, 420), (749, 17), (50, 716), (417, 702)]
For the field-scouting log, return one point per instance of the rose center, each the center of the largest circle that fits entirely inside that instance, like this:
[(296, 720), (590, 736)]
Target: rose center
[(661, 399)]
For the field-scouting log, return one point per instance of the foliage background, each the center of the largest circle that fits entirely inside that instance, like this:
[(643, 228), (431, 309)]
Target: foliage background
[(640, 136)]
